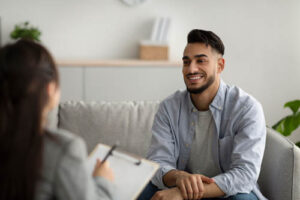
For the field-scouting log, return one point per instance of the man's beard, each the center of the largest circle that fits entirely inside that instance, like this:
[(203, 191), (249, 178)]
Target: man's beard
[(201, 89)]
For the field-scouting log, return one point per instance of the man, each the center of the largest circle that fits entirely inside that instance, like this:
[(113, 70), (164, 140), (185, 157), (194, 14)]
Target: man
[(209, 139)]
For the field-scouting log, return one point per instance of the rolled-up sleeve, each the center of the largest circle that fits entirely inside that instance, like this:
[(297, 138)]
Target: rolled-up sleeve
[(73, 179), (247, 152), (162, 148)]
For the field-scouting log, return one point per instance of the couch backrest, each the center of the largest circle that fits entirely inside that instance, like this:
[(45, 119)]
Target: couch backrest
[(130, 123)]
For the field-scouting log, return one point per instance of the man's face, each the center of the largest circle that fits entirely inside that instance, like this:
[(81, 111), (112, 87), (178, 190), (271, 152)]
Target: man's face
[(201, 66)]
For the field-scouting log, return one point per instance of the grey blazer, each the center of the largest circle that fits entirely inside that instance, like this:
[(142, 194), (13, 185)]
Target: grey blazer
[(64, 173)]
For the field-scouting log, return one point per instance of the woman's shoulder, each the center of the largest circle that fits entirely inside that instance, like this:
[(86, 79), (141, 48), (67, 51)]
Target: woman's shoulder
[(61, 135), (60, 138), (62, 150), (60, 143)]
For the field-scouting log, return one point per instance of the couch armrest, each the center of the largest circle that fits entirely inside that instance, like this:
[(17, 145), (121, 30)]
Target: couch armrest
[(279, 177)]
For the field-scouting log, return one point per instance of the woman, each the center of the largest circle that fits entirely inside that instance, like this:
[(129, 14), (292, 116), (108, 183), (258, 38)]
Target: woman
[(37, 163)]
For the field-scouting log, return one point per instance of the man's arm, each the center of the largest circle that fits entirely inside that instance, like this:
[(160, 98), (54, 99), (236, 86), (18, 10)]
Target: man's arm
[(212, 190), (162, 147), (248, 146)]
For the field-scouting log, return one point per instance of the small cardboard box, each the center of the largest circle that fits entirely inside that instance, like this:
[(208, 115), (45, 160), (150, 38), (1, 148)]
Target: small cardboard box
[(154, 52)]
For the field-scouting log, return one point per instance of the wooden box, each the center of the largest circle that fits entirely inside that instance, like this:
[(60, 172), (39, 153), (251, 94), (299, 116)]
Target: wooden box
[(154, 52)]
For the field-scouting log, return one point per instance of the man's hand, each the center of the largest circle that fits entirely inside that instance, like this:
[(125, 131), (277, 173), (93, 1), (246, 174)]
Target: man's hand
[(169, 194), (191, 185)]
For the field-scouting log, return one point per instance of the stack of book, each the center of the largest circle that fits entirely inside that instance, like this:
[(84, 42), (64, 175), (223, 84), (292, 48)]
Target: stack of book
[(156, 48)]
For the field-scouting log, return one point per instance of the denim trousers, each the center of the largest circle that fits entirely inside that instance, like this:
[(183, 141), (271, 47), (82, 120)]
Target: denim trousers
[(151, 189)]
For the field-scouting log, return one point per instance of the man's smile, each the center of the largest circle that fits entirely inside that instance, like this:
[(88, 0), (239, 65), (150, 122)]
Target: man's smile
[(195, 78)]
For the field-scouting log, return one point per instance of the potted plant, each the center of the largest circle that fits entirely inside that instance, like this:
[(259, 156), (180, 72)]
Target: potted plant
[(26, 31), (288, 124)]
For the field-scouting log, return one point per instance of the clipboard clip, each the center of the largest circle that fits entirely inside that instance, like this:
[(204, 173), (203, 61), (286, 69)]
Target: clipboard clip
[(137, 161)]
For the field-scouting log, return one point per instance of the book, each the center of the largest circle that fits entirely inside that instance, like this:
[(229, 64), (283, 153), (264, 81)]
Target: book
[(165, 34), (132, 173), (154, 34)]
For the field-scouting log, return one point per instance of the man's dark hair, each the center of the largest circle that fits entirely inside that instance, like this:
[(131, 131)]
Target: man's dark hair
[(207, 38)]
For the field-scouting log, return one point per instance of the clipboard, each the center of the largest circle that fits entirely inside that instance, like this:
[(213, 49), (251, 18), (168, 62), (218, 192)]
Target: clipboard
[(132, 173)]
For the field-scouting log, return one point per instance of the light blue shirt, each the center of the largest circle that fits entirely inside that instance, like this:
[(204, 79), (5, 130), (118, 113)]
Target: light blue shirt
[(238, 144)]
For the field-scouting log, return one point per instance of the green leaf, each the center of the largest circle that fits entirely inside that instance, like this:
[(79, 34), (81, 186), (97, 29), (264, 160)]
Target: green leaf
[(293, 105), (25, 31), (298, 144), (279, 126), (288, 124)]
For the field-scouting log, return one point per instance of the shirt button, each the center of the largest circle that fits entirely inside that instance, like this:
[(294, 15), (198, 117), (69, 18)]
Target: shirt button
[(194, 110), (192, 124), (187, 145)]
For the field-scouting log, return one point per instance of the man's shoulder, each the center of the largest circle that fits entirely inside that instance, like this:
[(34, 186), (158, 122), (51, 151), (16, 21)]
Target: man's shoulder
[(175, 98), (240, 97)]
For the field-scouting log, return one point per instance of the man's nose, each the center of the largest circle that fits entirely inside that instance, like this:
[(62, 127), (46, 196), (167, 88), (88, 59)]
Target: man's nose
[(193, 67)]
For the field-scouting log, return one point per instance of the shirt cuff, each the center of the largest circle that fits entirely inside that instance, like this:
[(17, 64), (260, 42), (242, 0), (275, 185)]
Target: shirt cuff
[(105, 186), (220, 180), (157, 180)]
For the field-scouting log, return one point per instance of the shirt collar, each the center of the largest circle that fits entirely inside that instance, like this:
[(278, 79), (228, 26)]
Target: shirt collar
[(191, 106), (217, 103)]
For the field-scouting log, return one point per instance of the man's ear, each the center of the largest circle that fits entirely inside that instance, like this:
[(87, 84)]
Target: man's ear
[(221, 64)]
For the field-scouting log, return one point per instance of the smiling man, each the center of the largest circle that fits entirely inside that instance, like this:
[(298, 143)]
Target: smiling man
[(210, 138)]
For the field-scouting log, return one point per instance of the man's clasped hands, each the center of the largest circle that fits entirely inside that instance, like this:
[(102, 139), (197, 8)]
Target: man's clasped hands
[(187, 186)]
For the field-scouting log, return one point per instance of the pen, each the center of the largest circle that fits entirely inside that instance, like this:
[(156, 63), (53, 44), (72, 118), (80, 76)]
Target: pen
[(108, 153)]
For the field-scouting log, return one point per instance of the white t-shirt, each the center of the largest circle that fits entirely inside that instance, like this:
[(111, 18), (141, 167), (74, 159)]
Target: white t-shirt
[(201, 158)]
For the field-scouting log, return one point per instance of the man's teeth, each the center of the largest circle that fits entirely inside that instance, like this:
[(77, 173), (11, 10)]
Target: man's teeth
[(195, 78)]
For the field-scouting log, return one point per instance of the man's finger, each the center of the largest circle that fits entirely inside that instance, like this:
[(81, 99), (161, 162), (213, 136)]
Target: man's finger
[(201, 188), (157, 196), (189, 189), (183, 190), (207, 179), (195, 187)]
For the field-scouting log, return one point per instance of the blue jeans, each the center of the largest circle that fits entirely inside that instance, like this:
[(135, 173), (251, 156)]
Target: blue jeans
[(151, 189), (148, 192)]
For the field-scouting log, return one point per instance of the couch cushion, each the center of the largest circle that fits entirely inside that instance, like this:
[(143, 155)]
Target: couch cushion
[(280, 168), (107, 122)]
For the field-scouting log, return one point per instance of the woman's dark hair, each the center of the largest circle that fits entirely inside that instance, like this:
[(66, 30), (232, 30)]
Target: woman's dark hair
[(207, 38), (26, 69)]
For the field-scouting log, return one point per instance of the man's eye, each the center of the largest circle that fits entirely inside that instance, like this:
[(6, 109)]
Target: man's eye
[(200, 61), (186, 62)]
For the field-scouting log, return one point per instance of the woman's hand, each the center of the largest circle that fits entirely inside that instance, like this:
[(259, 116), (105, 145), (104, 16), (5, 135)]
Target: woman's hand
[(103, 170)]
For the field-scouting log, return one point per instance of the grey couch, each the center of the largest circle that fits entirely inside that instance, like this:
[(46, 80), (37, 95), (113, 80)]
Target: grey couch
[(130, 123)]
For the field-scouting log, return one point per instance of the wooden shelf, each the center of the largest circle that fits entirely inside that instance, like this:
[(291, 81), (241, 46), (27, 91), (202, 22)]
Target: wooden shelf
[(116, 63)]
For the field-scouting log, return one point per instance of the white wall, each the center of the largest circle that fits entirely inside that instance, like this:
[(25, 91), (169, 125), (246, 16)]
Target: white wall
[(262, 37)]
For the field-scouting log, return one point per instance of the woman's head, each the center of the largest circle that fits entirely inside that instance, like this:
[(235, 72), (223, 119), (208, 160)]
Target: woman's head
[(29, 86), (26, 70)]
